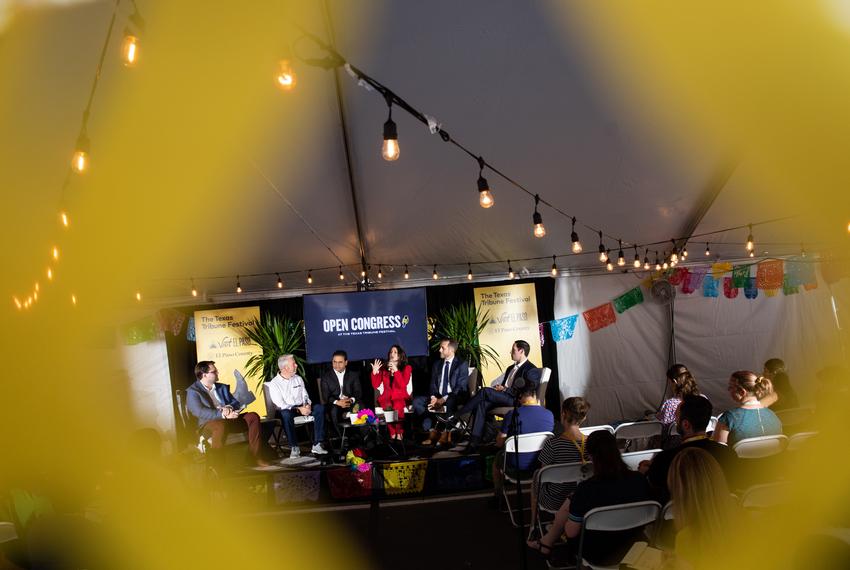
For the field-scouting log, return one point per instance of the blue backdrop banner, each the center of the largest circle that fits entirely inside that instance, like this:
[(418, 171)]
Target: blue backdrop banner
[(365, 324)]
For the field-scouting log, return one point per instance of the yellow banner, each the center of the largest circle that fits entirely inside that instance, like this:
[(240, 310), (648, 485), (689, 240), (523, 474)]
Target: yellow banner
[(407, 477), (220, 338), (513, 316)]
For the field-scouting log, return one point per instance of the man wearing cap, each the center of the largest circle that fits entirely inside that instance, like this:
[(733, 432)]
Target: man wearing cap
[(503, 394)]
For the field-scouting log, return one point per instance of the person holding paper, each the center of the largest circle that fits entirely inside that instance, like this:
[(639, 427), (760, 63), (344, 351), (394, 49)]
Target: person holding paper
[(289, 397), (218, 412)]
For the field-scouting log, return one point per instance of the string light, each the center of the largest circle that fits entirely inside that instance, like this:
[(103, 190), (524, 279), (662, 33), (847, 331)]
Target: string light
[(609, 265), (17, 302), (537, 220), (139, 296), (55, 253), (752, 254), (469, 275), (574, 238), (49, 274), (485, 196), (637, 259), (750, 243), (664, 264), (646, 265), (63, 216), (685, 251), (363, 271), (35, 296), (279, 281), (510, 270), (380, 273), (36, 286), (73, 299), (194, 289), (603, 255), (674, 258), (310, 277), (707, 250), (341, 276), (129, 49), (657, 263), (554, 267), (238, 285), (434, 275), (406, 273), (390, 149), (285, 79), (621, 259), (80, 161)]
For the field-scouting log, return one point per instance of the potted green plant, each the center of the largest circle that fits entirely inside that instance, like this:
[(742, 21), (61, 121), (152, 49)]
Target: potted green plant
[(464, 323), (277, 336)]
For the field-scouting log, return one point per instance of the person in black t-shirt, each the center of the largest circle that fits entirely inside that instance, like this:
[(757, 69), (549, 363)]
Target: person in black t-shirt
[(691, 420)]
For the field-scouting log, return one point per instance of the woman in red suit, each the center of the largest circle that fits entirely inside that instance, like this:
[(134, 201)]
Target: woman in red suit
[(392, 381)]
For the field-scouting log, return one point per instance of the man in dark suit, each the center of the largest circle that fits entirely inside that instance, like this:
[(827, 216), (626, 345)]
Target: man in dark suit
[(217, 411), (500, 395), (449, 388), (340, 389)]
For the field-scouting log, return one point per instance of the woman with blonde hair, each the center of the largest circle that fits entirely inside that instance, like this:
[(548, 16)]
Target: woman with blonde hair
[(704, 511), (750, 418)]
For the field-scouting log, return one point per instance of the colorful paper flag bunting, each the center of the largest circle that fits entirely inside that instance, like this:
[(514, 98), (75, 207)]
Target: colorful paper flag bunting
[(750, 290), (740, 275), (563, 329), (769, 274), (709, 286), (600, 317), (693, 280), (729, 290), (720, 268)]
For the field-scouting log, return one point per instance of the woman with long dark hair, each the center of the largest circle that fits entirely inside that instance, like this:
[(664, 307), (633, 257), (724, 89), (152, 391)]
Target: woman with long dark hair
[(782, 396), (682, 383), (392, 381)]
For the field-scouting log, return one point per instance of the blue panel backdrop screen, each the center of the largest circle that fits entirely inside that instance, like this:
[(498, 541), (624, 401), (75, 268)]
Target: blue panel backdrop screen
[(365, 324)]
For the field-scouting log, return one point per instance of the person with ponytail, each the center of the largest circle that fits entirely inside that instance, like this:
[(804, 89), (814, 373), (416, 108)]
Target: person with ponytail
[(782, 396), (750, 418), (682, 383)]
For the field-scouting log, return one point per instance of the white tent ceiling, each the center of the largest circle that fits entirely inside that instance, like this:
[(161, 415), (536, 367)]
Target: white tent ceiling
[(183, 143)]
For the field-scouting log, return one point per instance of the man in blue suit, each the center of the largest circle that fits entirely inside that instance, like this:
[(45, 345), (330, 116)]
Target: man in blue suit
[(218, 412), (449, 388)]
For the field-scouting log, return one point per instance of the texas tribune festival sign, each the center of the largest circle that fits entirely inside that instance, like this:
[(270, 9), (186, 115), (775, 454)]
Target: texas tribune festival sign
[(512, 316)]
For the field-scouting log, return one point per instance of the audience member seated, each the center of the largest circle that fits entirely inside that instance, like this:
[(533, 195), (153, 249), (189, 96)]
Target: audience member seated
[(750, 418), (781, 396), (289, 396), (612, 483), (705, 513), (694, 414), (682, 383), (498, 396), (218, 413), (393, 383), (449, 388), (531, 418), (568, 447), (340, 389)]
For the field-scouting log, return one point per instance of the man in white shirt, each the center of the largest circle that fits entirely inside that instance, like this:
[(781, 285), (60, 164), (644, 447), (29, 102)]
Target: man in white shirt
[(289, 396), (449, 389), (340, 389)]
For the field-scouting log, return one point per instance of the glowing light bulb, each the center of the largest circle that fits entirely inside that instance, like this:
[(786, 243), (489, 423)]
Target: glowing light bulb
[(646, 265), (138, 296), (80, 162), (55, 252), (130, 50), (309, 278), (621, 259), (576, 244), (554, 270), (537, 220), (36, 286), (434, 275), (380, 273), (390, 149), (665, 265), (285, 79), (469, 275), (35, 296), (603, 255), (238, 288), (64, 217), (73, 299), (49, 274), (485, 197), (17, 302), (707, 250), (194, 292), (539, 230), (750, 243), (685, 252), (279, 281), (341, 276), (363, 272), (510, 271), (637, 261), (674, 258), (406, 273), (609, 265), (752, 254)]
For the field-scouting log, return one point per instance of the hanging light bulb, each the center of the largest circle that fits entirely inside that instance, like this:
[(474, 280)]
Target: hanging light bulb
[(80, 161), (49, 274), (707, 250), (685, 251), (665, 265), (194, 289), (341, 276), (36, 286), (657, 263), (35, 296), (537, 220), (390, 149), (139, 296), (279, 281), (406, 273), (609, 265), (17, 302), (285, 78), (554, 267), (380, 273), (621, 259), (238, 285), (637, 259), (646, 265), (752, 254), (129, 49), (469, 275), (750, 243), (55, 253), (73, 299), (510, 270), (603, 255), (363, 271), (674, 256), (485, 197), (434, 275), (63, 216), (574, 238), (310, 277)]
